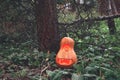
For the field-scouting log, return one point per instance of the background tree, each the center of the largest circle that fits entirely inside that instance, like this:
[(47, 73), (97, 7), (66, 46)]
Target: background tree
[(109, 7), (47, 29)]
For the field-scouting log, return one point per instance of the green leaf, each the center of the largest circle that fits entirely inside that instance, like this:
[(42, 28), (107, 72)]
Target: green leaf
[(77, 77), (55, 75)]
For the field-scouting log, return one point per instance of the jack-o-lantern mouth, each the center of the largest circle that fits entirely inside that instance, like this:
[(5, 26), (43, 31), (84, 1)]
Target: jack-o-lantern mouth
[(64, 61)]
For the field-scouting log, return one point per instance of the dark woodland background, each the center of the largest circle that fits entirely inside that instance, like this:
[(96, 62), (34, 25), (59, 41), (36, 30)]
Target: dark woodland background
[(30, 32)]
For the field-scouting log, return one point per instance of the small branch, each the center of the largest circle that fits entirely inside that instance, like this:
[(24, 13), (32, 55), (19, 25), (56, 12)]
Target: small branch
[(44, 69), (101, 18)]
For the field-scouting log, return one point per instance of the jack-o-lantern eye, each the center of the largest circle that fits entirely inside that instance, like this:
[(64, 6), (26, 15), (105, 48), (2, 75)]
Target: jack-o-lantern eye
[(66, 47), (66, 56)]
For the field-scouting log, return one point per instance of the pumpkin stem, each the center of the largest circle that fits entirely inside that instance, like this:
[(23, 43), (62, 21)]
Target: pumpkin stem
[(67, 34)]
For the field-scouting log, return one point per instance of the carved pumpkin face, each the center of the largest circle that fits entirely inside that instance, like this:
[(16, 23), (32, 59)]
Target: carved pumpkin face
[(66, 56)]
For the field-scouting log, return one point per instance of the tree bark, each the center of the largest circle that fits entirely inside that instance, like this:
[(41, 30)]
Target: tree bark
[(111, 26), (47, 28)]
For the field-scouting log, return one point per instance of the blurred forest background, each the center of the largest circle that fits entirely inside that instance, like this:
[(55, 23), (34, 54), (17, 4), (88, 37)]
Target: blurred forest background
[(30, 32)]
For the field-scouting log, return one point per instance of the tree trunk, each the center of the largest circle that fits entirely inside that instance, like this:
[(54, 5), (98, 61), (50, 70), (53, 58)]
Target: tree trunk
[(111, 26), (47, 28)]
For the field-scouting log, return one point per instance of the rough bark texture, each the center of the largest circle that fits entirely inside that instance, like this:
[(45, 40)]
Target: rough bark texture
[(109, 6), (47, 29)]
